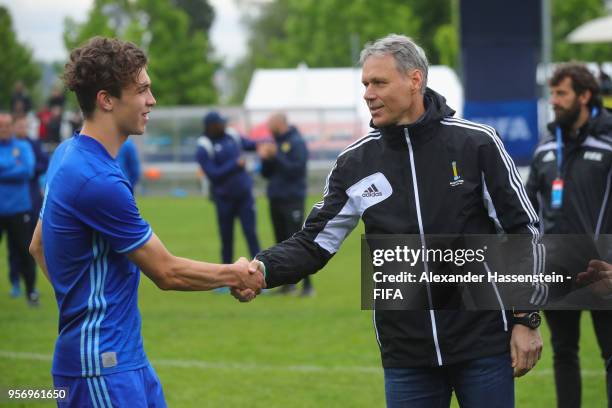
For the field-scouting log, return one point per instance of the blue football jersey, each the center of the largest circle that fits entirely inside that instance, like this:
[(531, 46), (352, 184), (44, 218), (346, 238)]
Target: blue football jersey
[(89, 222)]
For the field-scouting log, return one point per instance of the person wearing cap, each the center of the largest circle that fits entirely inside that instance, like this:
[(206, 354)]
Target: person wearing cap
[(219, 154)]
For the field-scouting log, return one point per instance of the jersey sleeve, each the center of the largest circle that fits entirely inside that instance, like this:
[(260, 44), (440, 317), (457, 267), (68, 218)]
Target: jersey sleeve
[(106, 204)]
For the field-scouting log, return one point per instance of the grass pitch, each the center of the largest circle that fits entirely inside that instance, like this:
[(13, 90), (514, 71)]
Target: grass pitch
[(211, 351)]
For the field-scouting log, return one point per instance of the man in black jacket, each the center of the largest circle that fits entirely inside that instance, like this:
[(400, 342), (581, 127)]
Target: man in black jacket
[(284, 165), (569, 182), (421, 171)]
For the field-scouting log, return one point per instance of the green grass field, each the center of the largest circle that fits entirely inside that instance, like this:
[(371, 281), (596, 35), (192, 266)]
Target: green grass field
[(211, 351)]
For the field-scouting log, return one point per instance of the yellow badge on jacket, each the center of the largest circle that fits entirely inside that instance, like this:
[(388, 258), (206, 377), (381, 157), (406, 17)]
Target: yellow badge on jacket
[(285, 147), (16, 152)]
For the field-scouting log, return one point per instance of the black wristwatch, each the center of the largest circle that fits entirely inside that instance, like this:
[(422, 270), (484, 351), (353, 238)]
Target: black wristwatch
[(531, 320)]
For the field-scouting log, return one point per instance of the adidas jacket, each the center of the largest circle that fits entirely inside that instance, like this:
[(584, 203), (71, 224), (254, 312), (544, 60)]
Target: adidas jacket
[(587, 174), (399, 180)]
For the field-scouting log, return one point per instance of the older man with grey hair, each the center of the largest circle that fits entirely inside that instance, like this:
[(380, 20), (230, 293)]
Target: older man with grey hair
[(421, 171)]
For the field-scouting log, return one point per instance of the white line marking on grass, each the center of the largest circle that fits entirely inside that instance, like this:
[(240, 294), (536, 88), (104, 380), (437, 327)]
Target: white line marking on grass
[(206, 365)]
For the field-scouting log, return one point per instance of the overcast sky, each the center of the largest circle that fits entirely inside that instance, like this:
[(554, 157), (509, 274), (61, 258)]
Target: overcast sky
[(40, 24)]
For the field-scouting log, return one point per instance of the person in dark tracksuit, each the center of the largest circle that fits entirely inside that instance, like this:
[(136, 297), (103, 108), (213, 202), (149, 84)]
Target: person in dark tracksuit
[(398, 179), (41, 161), (16, 170), (569, 182), (129, 162), (599, 275), (219, 154), (284, 165)]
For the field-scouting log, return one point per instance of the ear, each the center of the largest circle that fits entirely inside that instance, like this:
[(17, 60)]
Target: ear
[(416, 80), (104, 101), (585, 97)]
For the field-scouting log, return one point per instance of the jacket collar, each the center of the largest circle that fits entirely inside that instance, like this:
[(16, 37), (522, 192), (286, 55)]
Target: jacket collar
[(435, 110), (286, 135)]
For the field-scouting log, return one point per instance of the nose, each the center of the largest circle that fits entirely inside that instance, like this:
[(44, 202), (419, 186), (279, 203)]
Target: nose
[(553, 102), (368, 95), (151, 101), (553, 99)]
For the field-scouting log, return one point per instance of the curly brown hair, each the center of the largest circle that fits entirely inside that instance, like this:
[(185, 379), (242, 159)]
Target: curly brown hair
[(102, 64), (582, 80)]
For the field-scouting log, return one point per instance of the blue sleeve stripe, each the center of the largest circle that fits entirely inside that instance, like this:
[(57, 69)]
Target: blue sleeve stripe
[(137, 244)]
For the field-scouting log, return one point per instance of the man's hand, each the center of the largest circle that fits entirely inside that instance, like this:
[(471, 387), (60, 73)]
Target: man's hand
[(266, 151), (250, 277), (598, 277), (255, 267), (525, 349)]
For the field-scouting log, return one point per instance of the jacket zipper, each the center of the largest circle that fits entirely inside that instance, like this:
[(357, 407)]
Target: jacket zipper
[(432, 315)]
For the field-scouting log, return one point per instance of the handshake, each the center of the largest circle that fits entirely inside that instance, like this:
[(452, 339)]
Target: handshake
[(250, 279), (266, 150)]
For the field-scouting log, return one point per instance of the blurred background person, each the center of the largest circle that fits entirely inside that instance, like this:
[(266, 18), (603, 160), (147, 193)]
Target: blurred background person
[(605, 82), (219, 155), (129, 162), (43, 116), (75, 119), (54, 126), (41, 161), (56, 103), (21, 103), (57, 98), (569, 182), (16, 170), (284, 165)]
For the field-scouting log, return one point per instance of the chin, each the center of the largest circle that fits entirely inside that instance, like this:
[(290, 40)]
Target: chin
[(379, 122)]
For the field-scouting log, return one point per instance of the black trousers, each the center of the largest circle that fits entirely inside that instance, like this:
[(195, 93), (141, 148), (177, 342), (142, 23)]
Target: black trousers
[(19, 232), (565, 334), (14, 259), (287, 219)]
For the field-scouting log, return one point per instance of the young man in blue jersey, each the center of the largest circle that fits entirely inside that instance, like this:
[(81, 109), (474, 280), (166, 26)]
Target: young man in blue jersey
[(91, 240)]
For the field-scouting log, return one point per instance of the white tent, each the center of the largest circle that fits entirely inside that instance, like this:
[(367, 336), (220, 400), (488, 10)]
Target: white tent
[(597, 30), (305, 88)]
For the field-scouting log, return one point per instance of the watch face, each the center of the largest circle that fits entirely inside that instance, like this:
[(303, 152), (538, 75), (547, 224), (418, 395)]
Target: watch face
[(534, 320)]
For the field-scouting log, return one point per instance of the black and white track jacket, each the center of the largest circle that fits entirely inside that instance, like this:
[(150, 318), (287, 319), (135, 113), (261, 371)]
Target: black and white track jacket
[(587, 174), (410, 166)]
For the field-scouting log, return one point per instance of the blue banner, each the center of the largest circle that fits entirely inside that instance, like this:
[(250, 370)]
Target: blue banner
[(515, 121)]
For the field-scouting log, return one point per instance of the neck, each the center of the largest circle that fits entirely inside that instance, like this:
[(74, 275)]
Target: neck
[(417, 110), (106, 133)]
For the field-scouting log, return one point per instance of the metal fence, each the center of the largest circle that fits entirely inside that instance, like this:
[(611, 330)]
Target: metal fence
[(167, 149)]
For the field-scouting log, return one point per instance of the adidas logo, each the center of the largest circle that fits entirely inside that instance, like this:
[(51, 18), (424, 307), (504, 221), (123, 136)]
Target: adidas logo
[(371, 191)]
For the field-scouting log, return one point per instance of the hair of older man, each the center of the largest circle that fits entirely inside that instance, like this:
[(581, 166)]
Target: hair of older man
[(407, 54)]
